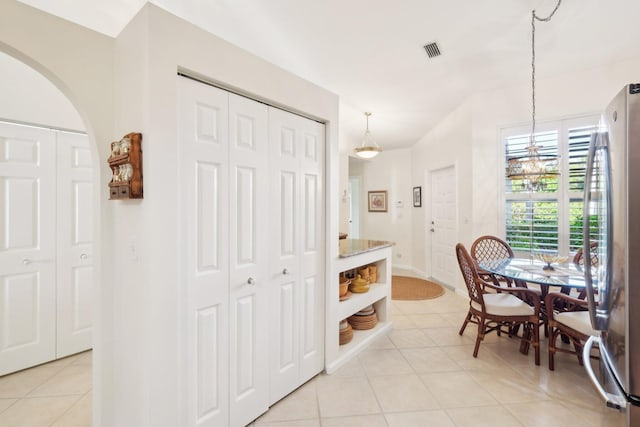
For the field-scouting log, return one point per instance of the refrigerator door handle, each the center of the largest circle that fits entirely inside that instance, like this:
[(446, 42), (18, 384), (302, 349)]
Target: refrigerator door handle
[(598, 315), (616, 401)]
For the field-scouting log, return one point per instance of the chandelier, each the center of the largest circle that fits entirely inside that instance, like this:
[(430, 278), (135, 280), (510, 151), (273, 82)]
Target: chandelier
[(368, 149), (534, 169)]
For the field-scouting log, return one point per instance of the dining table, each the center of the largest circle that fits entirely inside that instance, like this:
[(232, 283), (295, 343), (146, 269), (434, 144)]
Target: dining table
[(566, 275)]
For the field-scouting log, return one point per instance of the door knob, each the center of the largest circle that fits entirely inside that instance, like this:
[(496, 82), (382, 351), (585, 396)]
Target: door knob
[(285, 271), (432, 230), (251, 281), (83, 256)]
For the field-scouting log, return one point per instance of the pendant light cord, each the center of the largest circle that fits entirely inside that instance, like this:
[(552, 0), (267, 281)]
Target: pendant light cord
[(532, 140), (535, 18)]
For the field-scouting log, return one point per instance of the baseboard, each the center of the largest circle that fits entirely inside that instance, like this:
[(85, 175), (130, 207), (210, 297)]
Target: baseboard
[(415, 271)]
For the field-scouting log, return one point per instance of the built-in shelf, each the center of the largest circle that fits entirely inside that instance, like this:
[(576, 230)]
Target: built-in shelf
[(379, 295), (377, 291)]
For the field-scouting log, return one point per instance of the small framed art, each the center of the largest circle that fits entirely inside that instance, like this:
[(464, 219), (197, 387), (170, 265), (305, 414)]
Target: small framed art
[(377, 201), (417, 197)]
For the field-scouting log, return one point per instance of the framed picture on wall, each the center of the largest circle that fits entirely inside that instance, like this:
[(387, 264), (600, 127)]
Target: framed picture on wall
[(377, 201), (417, 197)]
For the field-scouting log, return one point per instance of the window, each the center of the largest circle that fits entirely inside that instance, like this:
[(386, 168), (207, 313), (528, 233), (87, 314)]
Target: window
[(549, 218)]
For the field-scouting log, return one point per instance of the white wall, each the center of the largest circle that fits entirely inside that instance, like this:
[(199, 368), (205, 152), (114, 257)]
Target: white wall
[(344, 173), (79, 62), (469, 137), (149, 52), (580, 93), (447, 145), (389, 171), (26, 96), (129, 84)]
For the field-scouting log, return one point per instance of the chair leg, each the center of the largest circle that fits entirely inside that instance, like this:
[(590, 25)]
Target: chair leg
[(578, 349), (480, 337), (524, 343), (536, 341), (464, 324), (552, 347), (513, 330)]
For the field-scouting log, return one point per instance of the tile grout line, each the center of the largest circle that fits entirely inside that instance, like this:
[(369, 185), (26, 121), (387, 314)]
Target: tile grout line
[(68, 409)]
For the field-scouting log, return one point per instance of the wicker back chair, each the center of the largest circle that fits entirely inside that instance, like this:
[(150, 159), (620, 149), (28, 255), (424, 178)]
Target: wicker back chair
[(578, 259), (567, 316), (489, 249), (499, 311)]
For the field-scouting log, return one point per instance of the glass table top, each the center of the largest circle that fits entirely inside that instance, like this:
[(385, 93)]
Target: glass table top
[(533, 271)]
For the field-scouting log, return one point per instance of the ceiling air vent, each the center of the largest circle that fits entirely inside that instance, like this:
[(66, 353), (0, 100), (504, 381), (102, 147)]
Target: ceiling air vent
[(432, 49)]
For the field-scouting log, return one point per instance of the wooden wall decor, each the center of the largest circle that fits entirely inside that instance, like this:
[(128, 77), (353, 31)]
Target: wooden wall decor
[(125, 162)]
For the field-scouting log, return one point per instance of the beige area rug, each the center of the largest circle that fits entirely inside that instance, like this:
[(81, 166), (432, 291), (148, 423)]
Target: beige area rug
[(411, 288)]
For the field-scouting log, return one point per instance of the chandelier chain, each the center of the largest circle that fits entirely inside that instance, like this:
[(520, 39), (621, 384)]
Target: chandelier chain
[(535, 17)]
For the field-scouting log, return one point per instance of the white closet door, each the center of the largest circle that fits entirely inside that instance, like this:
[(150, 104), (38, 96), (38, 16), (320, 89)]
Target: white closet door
[(27, 247), (75, 244), (249, 212), (312, 249), (297, 254), (284, 331), (203, 159)]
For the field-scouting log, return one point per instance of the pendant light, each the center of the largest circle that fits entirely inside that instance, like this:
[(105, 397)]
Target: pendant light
[(368, 149), (533, 169)]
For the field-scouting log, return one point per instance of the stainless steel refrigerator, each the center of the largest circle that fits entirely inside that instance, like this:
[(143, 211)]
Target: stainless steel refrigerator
[(612, 219)]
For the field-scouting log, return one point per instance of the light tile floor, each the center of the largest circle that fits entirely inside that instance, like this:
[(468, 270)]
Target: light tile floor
[(57, 394), (422, 374)]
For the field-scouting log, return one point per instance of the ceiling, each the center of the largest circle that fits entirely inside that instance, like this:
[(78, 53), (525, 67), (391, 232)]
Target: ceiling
[(370, 52)]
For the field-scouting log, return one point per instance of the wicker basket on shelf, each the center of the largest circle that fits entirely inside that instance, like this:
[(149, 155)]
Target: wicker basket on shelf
[(373, 273), (346, 333), (364, 319)]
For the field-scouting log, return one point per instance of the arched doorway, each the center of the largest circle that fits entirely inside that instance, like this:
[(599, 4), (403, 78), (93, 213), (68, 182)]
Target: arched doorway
[(46, 256)]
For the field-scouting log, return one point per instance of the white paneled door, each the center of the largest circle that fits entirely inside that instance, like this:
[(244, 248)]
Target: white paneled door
[(296, 268), (443, 225), (46, 252), (204, 152), (248, 249), (75, 272), (27, 247), (253, 223), (223, 157)]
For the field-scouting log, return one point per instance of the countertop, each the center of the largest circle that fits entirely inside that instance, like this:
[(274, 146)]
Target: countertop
[(351, 247)]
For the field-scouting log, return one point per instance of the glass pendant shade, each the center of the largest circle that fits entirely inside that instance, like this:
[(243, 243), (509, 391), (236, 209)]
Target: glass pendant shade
[(368, 149)]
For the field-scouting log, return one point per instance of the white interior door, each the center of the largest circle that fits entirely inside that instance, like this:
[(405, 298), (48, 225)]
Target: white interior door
[(27, 247), (203, 158), (312, 249), (297, 246), (248, 247), (75, 272), (442, 225), (284, 260)]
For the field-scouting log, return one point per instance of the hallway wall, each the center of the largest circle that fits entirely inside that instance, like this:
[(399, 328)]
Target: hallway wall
[(79, 62)]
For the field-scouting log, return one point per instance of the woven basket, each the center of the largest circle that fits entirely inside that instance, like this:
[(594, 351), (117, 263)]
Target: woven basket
[(363, 322), (346, 335), (373, 273)]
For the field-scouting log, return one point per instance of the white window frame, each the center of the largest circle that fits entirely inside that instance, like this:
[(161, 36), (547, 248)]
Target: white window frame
[(563, 196)]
